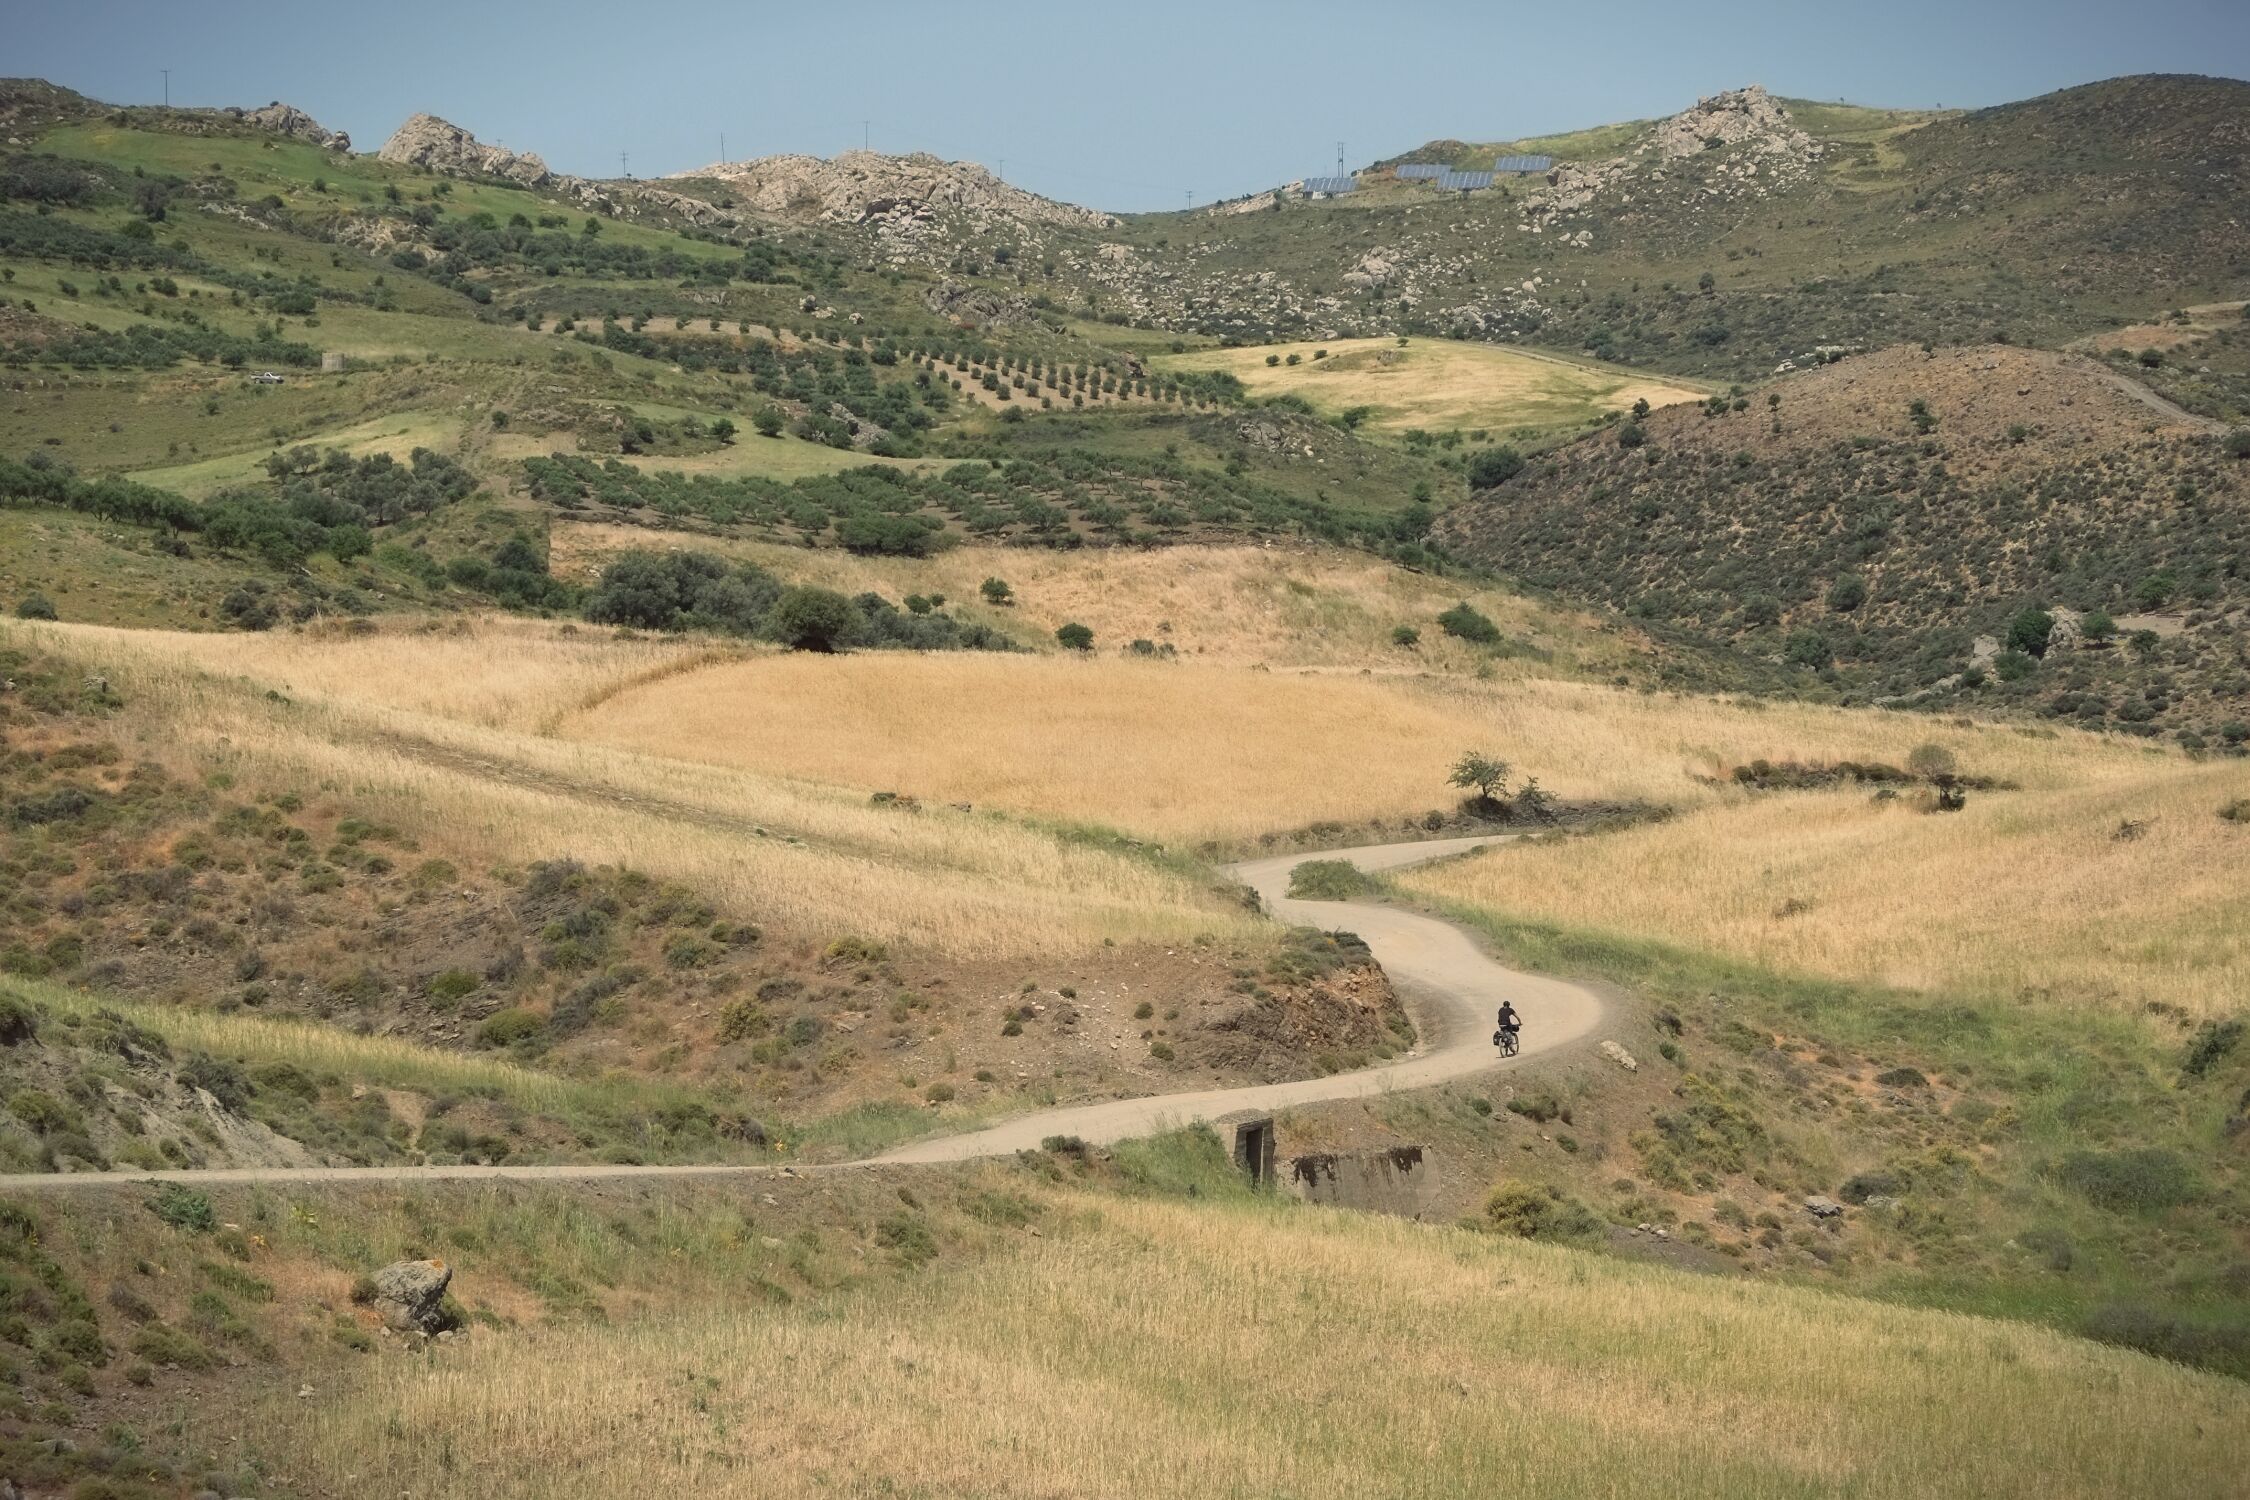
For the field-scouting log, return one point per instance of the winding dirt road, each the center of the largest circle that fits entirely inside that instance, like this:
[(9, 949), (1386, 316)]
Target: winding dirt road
[(1450, 987)]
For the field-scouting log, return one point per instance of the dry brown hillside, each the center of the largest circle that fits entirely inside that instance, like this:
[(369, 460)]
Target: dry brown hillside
[(1874, 518)]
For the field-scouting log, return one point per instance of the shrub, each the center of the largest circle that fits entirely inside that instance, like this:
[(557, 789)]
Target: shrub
[(2238, 443), (2145, 1179), (741, 1019), (811, 619), (35, 607), (1533, 1212), (1540, 1106), (1862, 1186), (1485, 774), (505, 1028), (160, 1345), (1326, 880), (1464, 622), (1075, 637), (2170, 1336), (996, 591), (1629, 435), (42, 1111), (1406, 637), (1902, 1078), (1494, 466), (453, 984), (909, 1238), (2030, 631), (183, 1208), (1847, 593), (19, 1020), (1809, 648), (2212, 1041)]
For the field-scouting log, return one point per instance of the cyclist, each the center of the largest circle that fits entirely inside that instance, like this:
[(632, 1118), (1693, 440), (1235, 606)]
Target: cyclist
[(1510, 1025)]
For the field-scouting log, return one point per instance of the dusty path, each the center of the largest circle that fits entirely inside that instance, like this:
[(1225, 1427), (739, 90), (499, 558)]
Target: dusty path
[(1449, 985)]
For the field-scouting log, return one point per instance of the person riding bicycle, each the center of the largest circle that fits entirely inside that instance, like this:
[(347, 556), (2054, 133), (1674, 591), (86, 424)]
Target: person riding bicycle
[(1510, 1023)]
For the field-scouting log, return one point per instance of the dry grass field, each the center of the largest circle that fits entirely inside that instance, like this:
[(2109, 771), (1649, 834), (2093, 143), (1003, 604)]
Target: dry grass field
[(2091, 889), (1240, 1351), (1437, 384), (2029, 892), (1285, 605), (440, 732), (747, 773)]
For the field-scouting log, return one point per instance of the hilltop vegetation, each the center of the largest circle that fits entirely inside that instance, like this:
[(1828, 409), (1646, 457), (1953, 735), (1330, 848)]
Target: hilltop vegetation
[(1874, 521)]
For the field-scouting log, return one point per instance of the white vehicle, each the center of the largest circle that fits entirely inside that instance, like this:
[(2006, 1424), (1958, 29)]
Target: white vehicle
[(265, 377)]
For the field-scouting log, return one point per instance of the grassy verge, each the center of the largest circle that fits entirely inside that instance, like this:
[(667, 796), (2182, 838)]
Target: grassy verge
[(2078, 1168), (1137, 1338)]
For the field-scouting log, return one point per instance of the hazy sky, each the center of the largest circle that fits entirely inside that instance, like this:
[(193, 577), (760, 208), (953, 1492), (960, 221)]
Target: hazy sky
[(1126, 105)]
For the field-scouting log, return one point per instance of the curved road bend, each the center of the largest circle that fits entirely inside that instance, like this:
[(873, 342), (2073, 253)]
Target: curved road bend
[(1450, 987)]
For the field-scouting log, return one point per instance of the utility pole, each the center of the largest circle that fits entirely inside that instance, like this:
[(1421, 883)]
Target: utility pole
[(722, 148), (622, 169), (167, 72), (1340, 159), (1187, 198), (866, 134), (1003, 169)]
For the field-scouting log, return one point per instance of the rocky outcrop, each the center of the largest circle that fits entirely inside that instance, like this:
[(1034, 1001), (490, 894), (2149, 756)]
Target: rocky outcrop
[(1740, 117), (409, 1295), (1754, 148), (969, 306), (441, 146), (288, 120), (867, 187)]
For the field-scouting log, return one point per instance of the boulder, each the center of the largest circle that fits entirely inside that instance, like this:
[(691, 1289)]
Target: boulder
[(441, 146), (1618, 1055), (287, 119), (409, 1294), (1823, 1207)]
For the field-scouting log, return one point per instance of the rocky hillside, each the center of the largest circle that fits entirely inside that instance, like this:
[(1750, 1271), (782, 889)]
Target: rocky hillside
[(1890, 519), (132, 879), (436, 145), (1738, 236), (905, 200)]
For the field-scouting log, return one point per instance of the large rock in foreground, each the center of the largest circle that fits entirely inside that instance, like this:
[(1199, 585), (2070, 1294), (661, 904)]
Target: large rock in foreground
[(409, 1295)]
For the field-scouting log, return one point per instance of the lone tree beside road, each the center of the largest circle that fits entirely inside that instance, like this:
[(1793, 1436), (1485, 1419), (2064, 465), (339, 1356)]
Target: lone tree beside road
[(1488, 776)]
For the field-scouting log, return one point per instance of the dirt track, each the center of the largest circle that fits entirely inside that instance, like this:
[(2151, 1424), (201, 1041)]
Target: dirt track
[(1449, 985)]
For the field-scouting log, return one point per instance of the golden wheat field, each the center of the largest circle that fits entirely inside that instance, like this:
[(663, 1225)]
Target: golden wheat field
[(1437, 383), (748, 773), (1246, 1352), (2102, 890), (1280, 605), (1186, 750), (439, 733)]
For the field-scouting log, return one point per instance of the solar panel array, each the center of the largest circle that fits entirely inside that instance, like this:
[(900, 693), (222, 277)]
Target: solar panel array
[(1330, 184), (1420, 172), (1462, 182), (1523, 164)]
